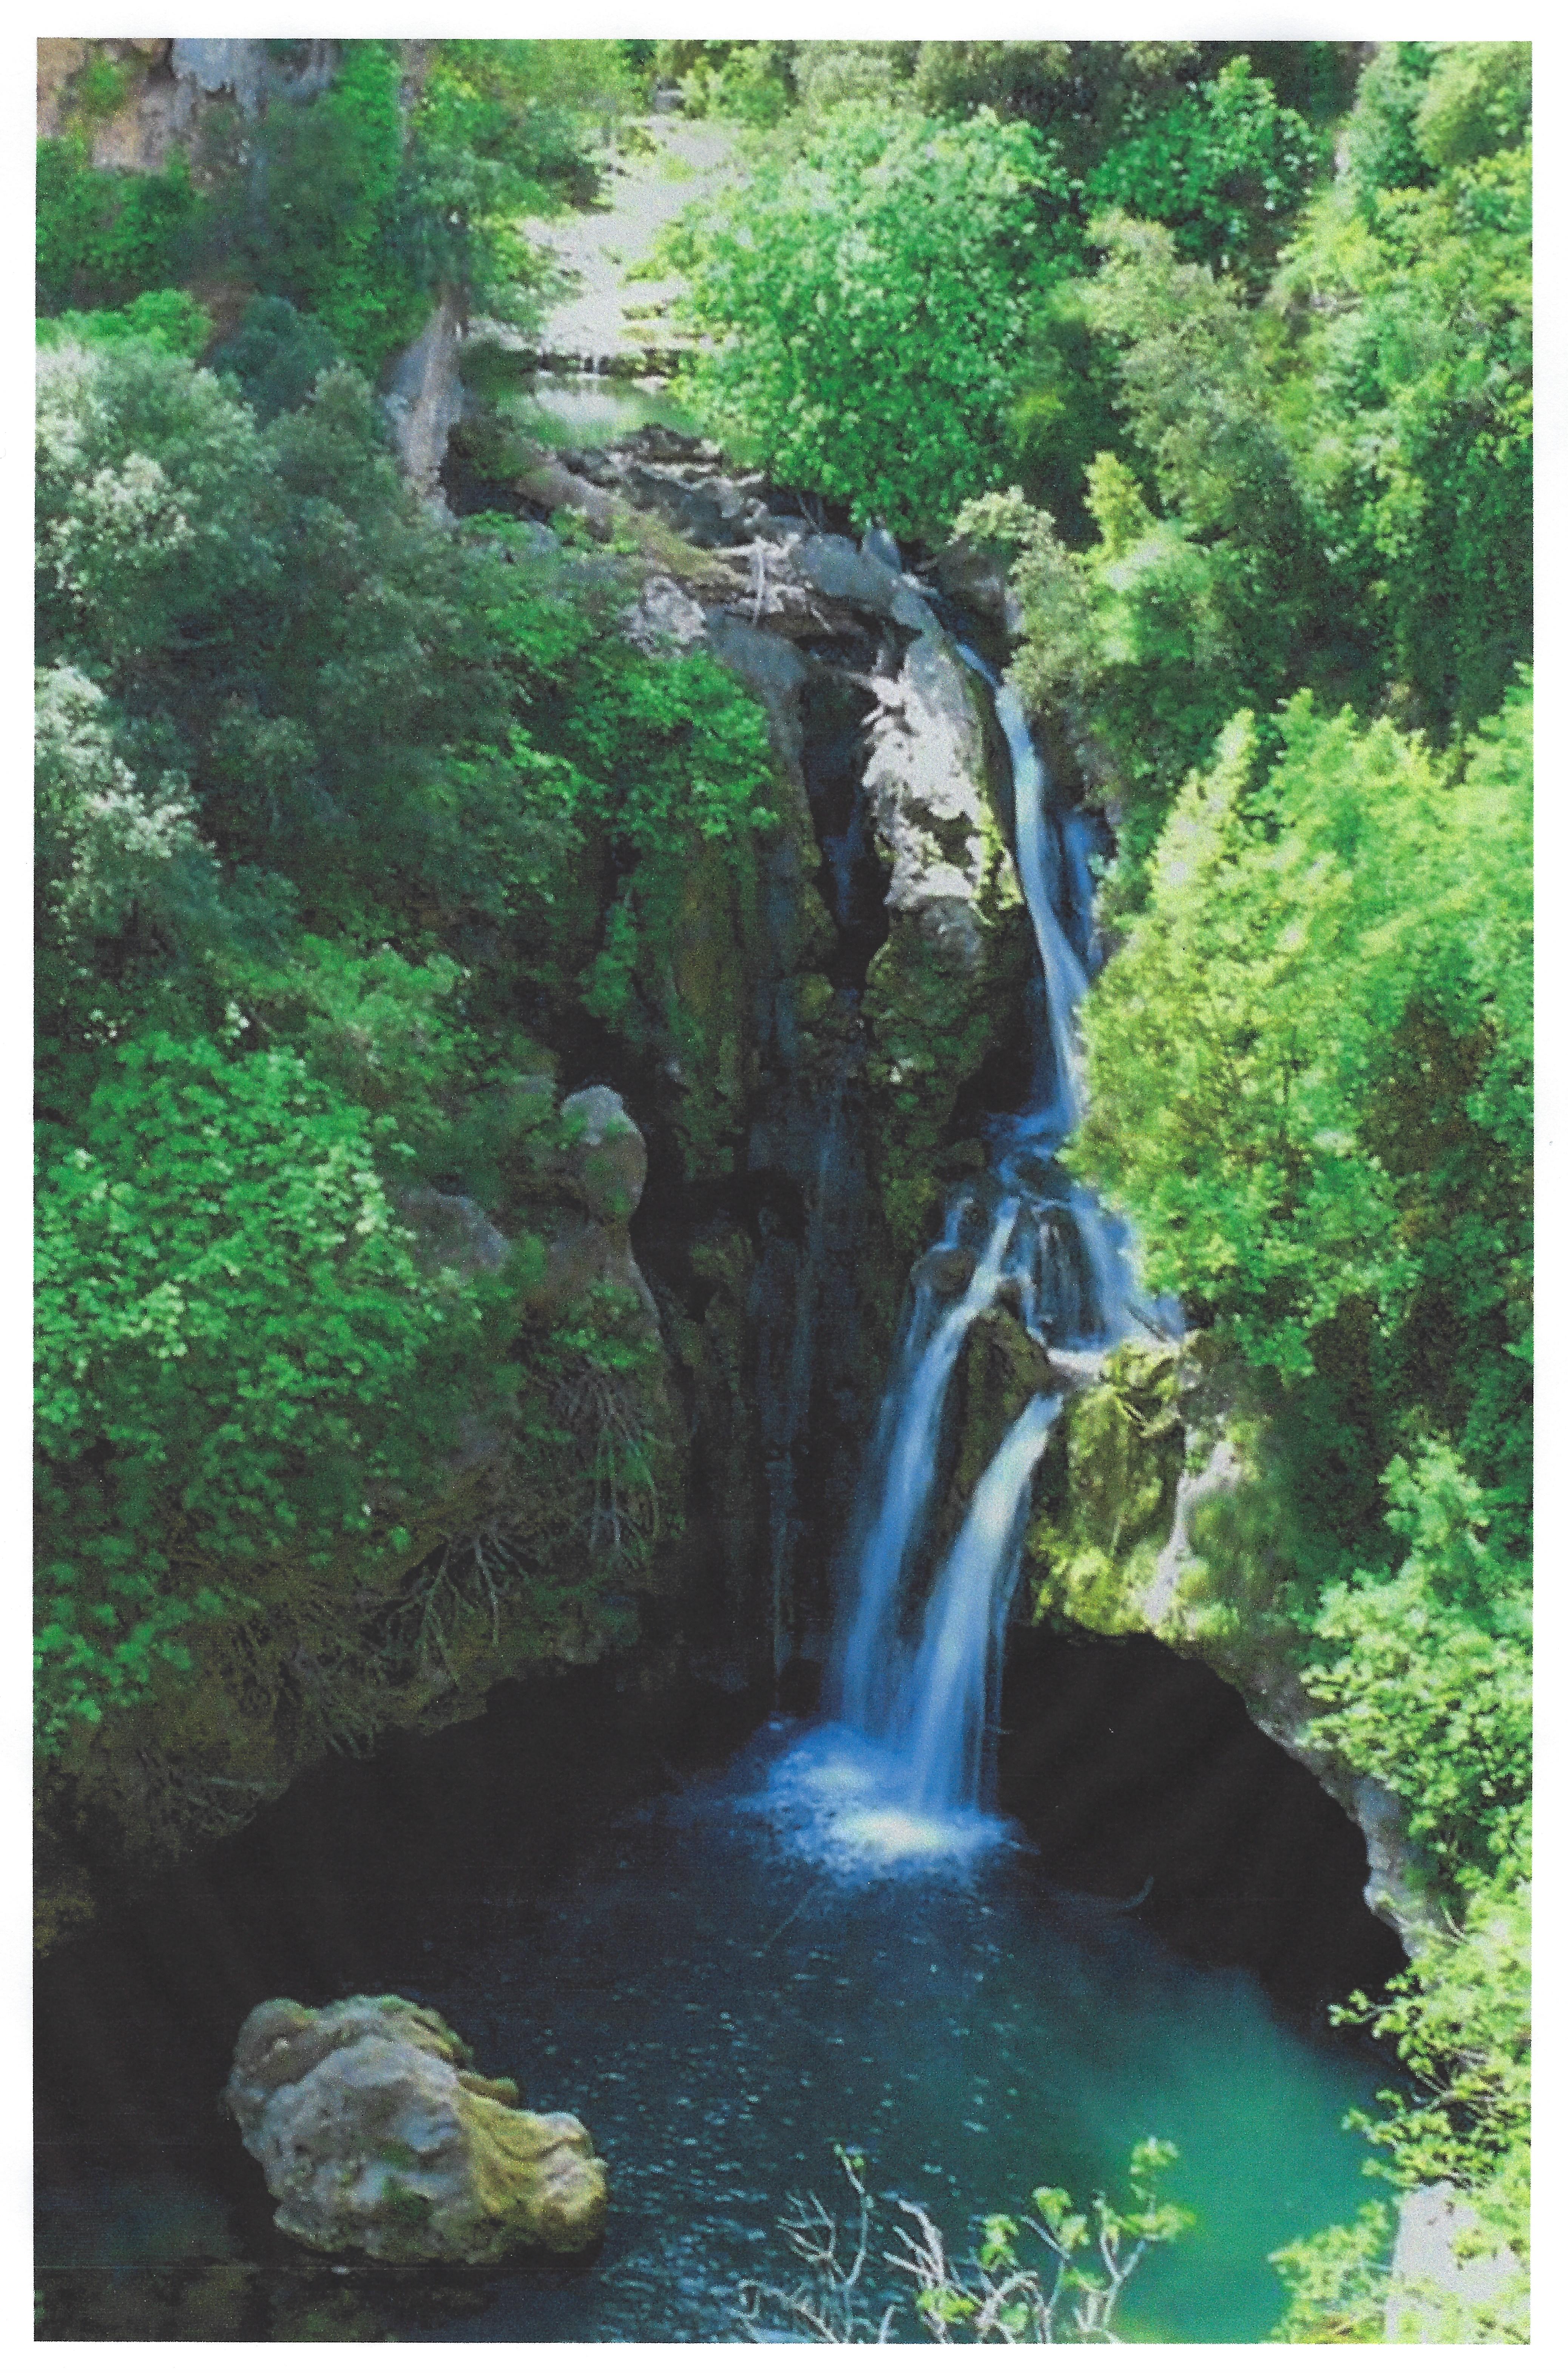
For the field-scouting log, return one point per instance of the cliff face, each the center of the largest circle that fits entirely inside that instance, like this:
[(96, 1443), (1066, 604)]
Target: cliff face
[(1154, 1522), (135, 101), (776, 1160)]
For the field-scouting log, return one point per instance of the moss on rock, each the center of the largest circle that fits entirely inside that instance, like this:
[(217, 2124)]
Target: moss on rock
[(1092, 1554), (375, 2132)]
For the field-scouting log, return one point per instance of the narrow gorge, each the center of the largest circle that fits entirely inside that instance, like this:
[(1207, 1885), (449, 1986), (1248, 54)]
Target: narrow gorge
[(663, 1543)]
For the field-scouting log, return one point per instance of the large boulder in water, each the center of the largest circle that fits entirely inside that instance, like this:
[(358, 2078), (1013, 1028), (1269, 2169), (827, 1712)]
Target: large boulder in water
[(375, 2133)]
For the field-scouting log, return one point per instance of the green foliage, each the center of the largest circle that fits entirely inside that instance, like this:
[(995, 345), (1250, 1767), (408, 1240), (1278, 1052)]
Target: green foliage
[(658, 765), (833, 74), (1459, 2019), (1253, 1020), (320, 219), (276, 356), (103, 236), (1410, 415), (270, 610), (1091, 1557), (1333, 490), (97, 90), (1152, 635), (1225, 168), (166, 319), (379, 1030), (1338, 2282), (237, 1354), (1378, 140), (866, 295), (505, 129), (744, 82), (1064, 416), (1085, 95), (1062, 2282), (1477, 100), (1427, 1678), (297, 746)]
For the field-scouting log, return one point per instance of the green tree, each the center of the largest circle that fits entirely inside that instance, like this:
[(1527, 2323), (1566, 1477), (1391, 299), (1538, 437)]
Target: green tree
[(1254, 1019), (1409, 415), (1225, 166), (320, 218), (164, 318), (868, 294)]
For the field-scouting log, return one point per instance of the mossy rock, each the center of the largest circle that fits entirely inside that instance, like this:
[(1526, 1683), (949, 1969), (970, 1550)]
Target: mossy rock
[(375, 2132), (1092, 1554)]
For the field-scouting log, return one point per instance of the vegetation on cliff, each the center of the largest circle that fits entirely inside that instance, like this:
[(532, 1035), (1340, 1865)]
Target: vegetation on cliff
[(347, 819), (344, 818)]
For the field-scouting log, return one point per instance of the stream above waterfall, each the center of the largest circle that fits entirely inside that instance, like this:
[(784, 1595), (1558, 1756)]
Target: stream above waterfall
[(721, 1994)]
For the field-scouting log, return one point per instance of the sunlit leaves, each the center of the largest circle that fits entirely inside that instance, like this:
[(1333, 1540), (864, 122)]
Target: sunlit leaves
[(867, 298), (237, 1351)]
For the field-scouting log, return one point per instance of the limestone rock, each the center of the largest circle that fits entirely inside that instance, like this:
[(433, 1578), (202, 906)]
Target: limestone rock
[(424, 400), (927, 779), (978, 579), (663, 613), (863, 579), (944, 991), (452, 1232), (375, 2133), (1255, 1658), (1436, 2294)]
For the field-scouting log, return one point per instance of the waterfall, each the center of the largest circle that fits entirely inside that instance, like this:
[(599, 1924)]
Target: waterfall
[(915, 1690), (945, 1709), (911, 1413), (1058, 1110)]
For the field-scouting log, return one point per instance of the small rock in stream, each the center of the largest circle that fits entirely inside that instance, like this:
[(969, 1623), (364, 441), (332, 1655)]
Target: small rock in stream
[(375, 2133)]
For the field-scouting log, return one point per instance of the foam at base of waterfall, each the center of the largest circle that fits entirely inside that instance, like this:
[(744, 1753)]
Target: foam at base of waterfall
[(843, 1802)]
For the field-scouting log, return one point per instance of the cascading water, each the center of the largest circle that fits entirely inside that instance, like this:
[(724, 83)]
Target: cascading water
[(907, 1437), (913, 1694), (941, 1722), (1058, 1104)]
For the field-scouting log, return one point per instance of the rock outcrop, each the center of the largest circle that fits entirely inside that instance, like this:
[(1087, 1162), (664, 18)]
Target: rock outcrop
[(424, 399), (945, 992), (599, 1173), (1444, 2285), (167, 93), (1133, 1539), (375, 2133), (478, 1580)]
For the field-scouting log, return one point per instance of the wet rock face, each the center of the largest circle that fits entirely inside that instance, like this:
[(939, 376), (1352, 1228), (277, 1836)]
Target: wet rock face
[(947, 988), (927, 779), (375, 2133)]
